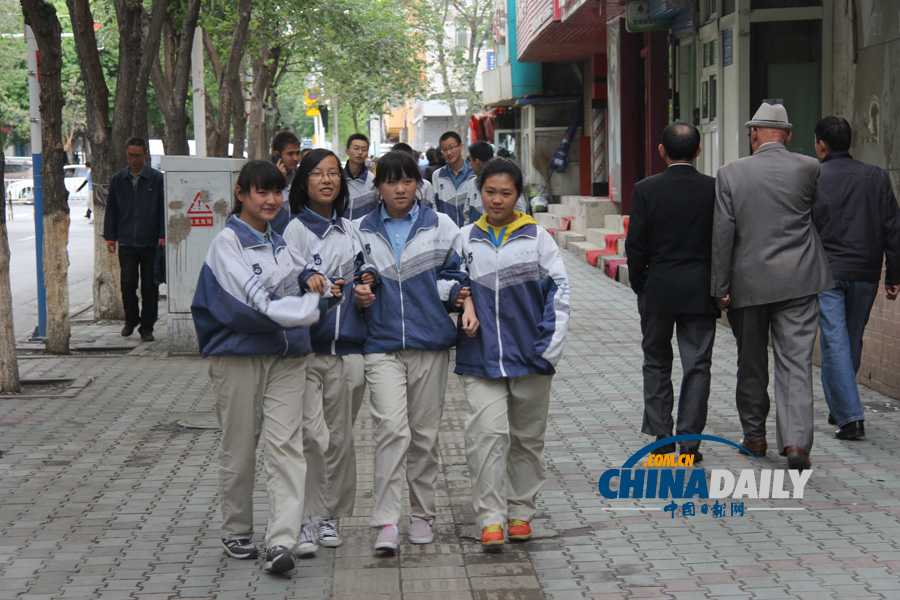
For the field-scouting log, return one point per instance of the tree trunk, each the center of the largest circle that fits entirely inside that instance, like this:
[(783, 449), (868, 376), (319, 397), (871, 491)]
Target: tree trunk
[(217, 144), (151, 34), (107, 298), (48, 35), (176, 77), (265, 65), (239, 119), (9, 365)]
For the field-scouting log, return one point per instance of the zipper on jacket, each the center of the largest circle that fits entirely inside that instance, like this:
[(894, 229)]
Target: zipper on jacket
[(281, 291), (497, 307)]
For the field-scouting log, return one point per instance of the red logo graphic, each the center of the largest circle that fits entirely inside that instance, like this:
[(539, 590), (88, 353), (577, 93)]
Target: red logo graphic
[(200, 213)]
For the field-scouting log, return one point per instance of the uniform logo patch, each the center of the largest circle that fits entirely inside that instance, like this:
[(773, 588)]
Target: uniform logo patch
[(317, 259), (257, 269), (469, 258), (368, 248)]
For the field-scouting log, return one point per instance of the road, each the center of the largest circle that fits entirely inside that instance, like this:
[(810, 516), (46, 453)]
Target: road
[(23, 274)]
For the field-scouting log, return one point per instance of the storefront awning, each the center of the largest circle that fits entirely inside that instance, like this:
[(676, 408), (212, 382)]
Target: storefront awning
[(565, 30)]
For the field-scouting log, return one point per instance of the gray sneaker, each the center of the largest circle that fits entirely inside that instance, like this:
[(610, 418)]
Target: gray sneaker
[(306, 544), (328, 533)]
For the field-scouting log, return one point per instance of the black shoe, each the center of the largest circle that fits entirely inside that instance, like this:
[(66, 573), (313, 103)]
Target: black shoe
[(695, 453), (667, 449), (147, 336), (831, 420), (279, 559), (853, 430), (241, 549), (127, 330)]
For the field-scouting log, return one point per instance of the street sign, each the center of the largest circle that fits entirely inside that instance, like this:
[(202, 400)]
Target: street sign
[(637, 18)]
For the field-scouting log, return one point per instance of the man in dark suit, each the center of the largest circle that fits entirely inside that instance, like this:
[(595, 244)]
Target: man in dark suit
[(768, 267), (668, 247)]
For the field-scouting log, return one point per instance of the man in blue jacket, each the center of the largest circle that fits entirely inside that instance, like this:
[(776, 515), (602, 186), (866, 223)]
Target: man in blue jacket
[(859, 222), (135, 220)]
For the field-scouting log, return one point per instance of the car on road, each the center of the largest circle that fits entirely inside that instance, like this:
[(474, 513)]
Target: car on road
[(22, 190)]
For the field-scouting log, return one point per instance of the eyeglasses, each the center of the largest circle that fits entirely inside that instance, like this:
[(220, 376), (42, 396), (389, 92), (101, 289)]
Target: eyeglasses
[(449, 149), (321, 175)]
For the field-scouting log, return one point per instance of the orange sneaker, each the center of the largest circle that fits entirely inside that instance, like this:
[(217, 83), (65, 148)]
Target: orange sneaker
[(519, 531), (492, 536)]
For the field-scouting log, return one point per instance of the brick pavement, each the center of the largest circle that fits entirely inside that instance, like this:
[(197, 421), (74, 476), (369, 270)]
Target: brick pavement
[(104, 495)]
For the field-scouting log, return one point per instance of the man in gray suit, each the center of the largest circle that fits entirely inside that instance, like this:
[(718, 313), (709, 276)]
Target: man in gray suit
[(768, 266)]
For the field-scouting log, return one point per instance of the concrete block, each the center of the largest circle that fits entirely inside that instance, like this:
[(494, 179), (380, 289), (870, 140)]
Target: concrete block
[(614, 222), (580, 249), (591, 212), (622, 276), (564, 210), (548, 220), (564, 238), (597, 236)]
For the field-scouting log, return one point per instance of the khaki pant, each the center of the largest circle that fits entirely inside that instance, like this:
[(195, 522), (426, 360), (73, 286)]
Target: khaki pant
[(260, 394), (407, 399), (505, 429), (334, 393)]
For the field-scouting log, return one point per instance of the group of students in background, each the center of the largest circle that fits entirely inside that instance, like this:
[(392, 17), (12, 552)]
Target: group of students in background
[(328, 278)]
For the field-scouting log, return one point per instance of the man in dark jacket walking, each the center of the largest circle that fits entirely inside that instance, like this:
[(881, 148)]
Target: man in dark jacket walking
[(669, 247), (135, 220), (859, 223)]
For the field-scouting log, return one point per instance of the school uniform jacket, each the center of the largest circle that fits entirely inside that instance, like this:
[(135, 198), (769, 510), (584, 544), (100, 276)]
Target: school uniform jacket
[(248, 300), (452, 201), (363, 195), (412, 302), (521, 295), (330, 248)]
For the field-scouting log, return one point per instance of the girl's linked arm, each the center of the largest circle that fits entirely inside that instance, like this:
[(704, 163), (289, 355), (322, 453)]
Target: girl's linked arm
[(241, 302), (452, 275), (555, 322)]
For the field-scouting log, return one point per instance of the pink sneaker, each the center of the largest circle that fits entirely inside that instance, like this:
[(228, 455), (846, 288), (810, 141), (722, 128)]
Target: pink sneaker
[(388, 540), (420, 532)]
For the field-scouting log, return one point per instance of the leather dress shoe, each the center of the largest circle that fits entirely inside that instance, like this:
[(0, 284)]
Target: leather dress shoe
[(698, 457), (667, 449), (757, 448), (147, 336), (853, 430), (127, 330), (831, 419), (797, 458)]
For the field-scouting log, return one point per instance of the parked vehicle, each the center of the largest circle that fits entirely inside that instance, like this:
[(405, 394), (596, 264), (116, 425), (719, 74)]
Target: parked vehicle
[(22, 190)]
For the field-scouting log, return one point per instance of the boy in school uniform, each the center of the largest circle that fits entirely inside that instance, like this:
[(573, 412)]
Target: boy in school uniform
[(415, 253), (361, 183), (521, 294), (454, 184)]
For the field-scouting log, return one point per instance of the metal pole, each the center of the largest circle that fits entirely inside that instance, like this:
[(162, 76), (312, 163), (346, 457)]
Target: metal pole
[(36, 150), (336, 140), (199, 94)]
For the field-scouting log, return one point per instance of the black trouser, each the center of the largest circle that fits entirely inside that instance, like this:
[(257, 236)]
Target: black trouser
[(131, 260)]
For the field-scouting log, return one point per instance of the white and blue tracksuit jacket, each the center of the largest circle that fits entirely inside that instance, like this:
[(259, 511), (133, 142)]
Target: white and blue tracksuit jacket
[(249, 301), (521, 295), (363, 195), (330, 248), (412, 300), (452, 201)]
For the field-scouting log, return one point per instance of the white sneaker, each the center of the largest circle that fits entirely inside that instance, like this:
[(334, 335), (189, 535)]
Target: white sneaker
[(328, 533), (306, 543), (420, 532)]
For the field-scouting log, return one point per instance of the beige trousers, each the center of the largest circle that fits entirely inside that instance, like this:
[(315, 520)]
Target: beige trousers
[(505, 429), (334, 393), (406, 391), (260, 394)]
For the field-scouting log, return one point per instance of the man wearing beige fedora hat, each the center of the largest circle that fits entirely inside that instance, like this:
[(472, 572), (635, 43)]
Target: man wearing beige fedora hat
[(768, 266)]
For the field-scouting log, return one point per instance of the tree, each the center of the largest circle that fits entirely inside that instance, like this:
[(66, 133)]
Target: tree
[(9, 366), (228, 80), (380, 67), (456, 64), (172, 74), (42, 18)]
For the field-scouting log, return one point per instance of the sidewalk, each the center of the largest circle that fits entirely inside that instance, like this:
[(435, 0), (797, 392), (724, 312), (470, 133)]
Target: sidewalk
[(105, 495)]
